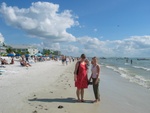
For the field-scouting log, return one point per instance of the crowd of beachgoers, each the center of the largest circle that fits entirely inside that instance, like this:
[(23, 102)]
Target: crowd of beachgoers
[(28, 60)]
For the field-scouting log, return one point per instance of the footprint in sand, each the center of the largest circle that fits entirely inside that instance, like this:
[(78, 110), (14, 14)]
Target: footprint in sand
[(60, 107), (69, 85), (51, 92), (34, 111), (45, 109), (41, 107)]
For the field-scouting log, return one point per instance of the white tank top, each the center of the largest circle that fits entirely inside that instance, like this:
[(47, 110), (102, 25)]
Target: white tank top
[(94, 71)]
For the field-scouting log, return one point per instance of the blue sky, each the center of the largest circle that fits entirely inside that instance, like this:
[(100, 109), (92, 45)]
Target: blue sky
[(109, 28)]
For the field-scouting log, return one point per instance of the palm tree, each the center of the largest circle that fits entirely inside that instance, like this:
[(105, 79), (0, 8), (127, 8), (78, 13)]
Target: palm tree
[(9, 50), (46, 51)]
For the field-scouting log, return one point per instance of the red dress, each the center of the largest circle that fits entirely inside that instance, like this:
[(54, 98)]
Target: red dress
[(82, 79)]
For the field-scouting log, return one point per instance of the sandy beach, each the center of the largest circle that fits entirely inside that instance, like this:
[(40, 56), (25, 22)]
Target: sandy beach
[(45, 86)]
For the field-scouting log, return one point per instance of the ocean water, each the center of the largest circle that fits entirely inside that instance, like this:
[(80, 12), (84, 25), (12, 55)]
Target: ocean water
[(136, 71)]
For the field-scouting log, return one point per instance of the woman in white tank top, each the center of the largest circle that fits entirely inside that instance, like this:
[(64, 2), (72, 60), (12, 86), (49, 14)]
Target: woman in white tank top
[(95, 78)]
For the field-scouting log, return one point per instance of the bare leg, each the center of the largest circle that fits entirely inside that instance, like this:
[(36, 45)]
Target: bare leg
[(82, 95), (96, 91), (78, 94)]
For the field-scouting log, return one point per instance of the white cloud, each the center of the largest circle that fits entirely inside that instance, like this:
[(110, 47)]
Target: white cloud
[(1, 38), (89, 40), (135, 46), (71, 50), (48, 45), (42, 20), (140, 41)]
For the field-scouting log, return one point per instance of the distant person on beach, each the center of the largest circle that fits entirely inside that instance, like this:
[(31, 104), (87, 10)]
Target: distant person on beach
[(63, 58), (27, 58), (12, 60), (80, 78), (126, 60), (67, 60), (73, 59), (95, 78), (23, 62), (3, 61), (131, 61)]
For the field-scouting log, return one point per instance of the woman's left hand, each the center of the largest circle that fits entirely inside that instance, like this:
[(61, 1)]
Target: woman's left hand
[(96, 82), (75, 77)]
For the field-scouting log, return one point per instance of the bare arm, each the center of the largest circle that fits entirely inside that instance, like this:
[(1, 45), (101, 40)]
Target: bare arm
[(75, 71), (98, 74), (98, 71), (76, 68)]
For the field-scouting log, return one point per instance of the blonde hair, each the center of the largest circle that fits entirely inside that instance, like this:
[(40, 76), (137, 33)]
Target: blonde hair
[(96, 59)]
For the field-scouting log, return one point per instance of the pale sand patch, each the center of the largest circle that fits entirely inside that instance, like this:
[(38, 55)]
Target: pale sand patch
[(60, 93), (118, 95), (40, 89)]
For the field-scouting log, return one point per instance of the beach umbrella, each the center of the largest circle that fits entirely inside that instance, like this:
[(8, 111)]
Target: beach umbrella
[(10, 55), (27, 55), (17, 55), (38, 54)]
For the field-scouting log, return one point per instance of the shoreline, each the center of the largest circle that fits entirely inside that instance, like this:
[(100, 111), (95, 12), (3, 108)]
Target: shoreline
[(120, 95)]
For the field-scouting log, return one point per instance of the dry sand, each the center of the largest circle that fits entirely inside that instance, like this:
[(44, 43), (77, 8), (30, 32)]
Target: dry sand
[(41, 88)]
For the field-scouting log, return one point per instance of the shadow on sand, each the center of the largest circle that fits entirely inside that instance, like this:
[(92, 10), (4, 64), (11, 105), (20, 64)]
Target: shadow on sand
[(68, 100)]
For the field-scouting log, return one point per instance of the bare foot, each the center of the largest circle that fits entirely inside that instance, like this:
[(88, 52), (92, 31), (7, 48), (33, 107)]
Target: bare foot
[(82, 100), (78, 100), (97, 100)]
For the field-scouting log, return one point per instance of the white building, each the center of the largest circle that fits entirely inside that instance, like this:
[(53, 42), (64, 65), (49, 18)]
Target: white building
[(57, 53), (23, 48), (2, 49)]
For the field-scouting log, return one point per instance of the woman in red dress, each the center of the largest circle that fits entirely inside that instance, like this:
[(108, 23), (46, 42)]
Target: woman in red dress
[(80, 77)]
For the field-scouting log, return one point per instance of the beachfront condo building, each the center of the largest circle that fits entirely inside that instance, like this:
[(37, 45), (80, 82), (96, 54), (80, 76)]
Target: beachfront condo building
[(24, 48), (57, 53), (2, 49)]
